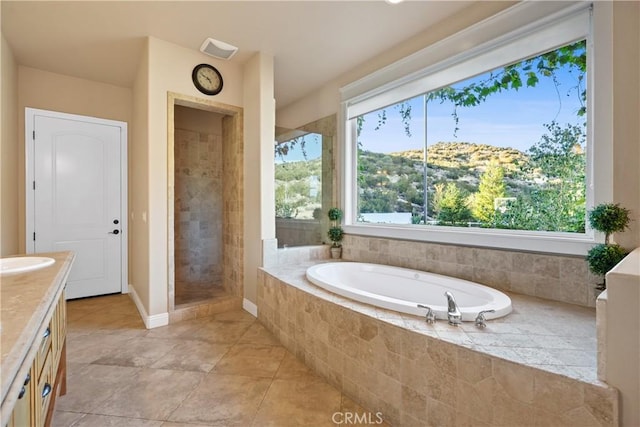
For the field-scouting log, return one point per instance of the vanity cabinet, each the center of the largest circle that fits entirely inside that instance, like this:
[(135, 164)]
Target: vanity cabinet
[(21, 415), (40, 374), (47, 376)]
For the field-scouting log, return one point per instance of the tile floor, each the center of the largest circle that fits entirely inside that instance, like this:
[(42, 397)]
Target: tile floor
[(189, 293), (223, 370)]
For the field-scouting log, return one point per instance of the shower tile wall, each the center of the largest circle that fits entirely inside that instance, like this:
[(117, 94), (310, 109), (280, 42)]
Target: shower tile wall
[(233, 186), (198, 209)]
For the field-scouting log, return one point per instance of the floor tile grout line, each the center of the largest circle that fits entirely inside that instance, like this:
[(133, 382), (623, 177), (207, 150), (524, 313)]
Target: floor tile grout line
[(187, 396), (264, 396), (258, 339)]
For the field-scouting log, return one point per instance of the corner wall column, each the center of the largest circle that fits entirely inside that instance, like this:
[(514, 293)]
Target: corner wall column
[(259, 201)]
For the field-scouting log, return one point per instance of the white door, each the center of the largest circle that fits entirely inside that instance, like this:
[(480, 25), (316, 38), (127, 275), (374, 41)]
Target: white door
[(77, 198)]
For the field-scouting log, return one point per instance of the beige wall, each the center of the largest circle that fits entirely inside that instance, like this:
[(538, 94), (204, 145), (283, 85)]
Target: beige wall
[(326, 100), (56, 92), (170, 69), (259, 196), (9, 148), (197, 120), (626, 108), (619, 351), (626, 95), (139, 183)]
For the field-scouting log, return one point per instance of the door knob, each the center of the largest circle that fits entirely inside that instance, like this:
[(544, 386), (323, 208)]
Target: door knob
[(115, 221), (114, 232)]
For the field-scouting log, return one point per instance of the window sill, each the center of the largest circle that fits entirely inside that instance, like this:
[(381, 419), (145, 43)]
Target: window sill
[(553, 243)]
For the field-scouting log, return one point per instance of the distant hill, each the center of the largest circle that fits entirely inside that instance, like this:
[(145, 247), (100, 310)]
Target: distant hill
[(467, 156), (394, 181)]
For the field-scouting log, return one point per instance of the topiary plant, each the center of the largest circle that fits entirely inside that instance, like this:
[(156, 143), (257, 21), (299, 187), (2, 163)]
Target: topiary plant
[(603, 258), (335, 233), (607, 218), (335, 214)]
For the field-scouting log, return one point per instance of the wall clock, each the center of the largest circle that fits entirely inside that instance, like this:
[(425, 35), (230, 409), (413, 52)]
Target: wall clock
[(207, 79)]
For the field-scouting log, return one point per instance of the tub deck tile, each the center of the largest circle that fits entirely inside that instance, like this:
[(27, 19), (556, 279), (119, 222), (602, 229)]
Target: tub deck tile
[(543, 347), (547, 334)]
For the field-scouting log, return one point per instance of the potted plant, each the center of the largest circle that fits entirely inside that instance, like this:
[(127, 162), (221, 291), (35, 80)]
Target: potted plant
[(608, 218), (335, 233)]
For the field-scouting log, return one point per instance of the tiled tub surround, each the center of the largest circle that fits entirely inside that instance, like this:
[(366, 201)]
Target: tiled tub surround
[(554, 277), (298, 232), (536, 366)]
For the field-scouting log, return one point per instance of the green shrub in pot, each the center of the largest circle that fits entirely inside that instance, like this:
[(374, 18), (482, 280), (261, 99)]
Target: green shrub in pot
[(335, 233), (608, 218)]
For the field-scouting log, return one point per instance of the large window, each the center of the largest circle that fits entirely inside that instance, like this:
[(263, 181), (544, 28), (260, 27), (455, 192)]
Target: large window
[(505, 149), (490, 145)]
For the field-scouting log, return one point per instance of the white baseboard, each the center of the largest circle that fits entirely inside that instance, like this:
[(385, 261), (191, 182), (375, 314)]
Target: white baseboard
[(250, 307), (157, 320), (150, 322)]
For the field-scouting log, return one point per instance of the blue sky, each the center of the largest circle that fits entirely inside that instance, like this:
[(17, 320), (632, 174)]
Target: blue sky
[(508, 119), (312, 147)]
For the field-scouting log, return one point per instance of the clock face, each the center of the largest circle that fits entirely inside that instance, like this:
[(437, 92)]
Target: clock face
[(207, 79)]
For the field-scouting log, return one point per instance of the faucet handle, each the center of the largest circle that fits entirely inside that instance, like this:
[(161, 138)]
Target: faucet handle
[(480, 319), (431, 316)]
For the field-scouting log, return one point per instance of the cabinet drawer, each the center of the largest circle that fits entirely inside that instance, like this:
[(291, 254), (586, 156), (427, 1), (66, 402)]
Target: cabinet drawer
[(44, 349), (22, 415), (44, 391)]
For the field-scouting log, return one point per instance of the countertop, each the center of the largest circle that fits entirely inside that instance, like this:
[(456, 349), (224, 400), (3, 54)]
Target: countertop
[(26, 299)]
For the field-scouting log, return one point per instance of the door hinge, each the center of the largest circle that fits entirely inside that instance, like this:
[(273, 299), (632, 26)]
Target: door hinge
[(34, 135), (34, 185), (34, 236)]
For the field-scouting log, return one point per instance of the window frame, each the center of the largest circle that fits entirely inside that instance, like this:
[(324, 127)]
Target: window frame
[(545, 22)]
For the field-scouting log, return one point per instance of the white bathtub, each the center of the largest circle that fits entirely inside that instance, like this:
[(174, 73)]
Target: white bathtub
[(402, 289)]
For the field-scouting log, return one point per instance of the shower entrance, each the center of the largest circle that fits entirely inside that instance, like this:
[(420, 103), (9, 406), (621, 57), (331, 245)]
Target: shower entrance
[(205, 205)]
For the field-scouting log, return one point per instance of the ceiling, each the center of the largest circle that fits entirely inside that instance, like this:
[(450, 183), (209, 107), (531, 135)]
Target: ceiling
[(312, 42)]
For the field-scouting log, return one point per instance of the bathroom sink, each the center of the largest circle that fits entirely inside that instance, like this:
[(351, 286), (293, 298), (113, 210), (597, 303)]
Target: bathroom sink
[(24, 264)]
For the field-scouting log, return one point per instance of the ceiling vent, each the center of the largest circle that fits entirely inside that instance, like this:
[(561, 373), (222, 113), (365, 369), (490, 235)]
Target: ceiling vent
[(218, 49)]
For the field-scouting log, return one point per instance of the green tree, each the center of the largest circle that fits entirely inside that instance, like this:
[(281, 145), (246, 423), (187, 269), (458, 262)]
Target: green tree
[(287, 206), (378, 200), (451, 206), (528, 72), (558, 202), (560, 157), (491, 187)]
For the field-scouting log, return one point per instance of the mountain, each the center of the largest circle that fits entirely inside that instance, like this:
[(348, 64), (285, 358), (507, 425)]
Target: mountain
[(395, 181)]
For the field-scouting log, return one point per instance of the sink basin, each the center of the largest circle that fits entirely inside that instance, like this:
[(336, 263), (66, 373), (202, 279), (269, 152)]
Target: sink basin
[(24, 264)]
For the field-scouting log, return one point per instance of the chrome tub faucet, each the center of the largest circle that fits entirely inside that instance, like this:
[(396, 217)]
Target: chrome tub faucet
[(453, 313), (431, 316), (481, 320)]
